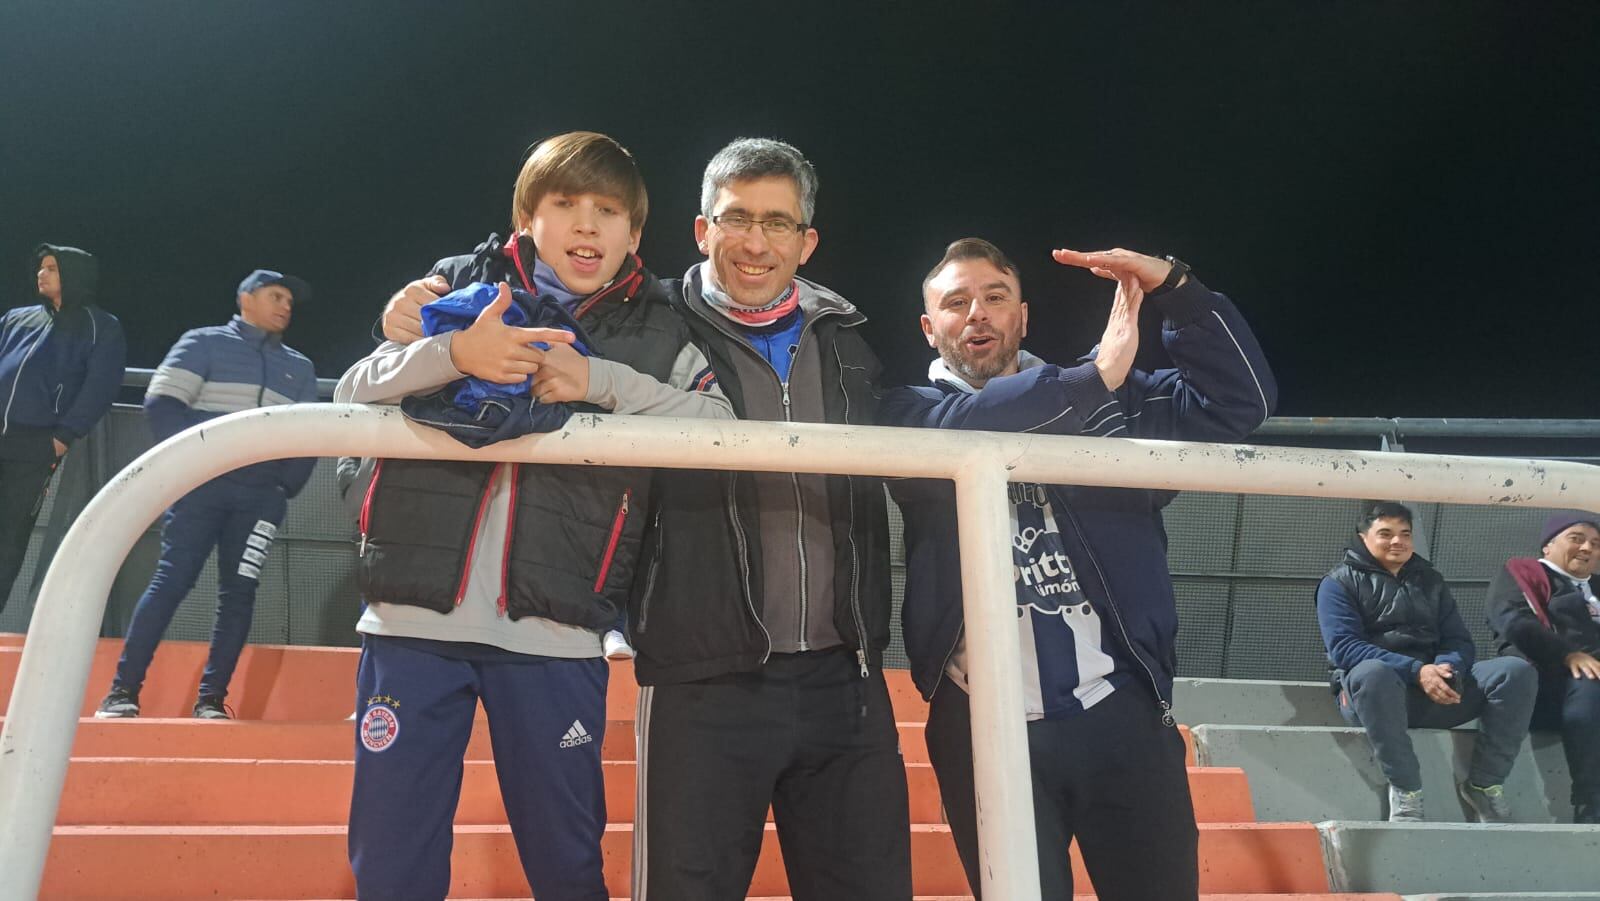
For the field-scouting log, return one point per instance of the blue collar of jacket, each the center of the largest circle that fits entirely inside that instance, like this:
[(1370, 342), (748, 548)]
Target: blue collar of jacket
[(253, 334)]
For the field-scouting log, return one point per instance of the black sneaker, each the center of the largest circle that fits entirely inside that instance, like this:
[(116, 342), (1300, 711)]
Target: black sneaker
[(120, 703), (209, 708)]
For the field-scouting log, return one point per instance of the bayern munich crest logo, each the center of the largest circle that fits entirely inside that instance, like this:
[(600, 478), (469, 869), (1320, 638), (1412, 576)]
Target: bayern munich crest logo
[(379, 728)]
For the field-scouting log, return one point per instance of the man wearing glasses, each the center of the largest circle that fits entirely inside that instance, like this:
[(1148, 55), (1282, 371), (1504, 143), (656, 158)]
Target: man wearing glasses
[(762, 608)]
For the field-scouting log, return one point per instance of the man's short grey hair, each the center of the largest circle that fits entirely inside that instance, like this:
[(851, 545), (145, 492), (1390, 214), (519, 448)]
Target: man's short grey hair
[(747, 159)]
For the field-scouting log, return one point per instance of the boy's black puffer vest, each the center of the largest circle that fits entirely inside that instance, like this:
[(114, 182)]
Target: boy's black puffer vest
[(1400, 613), (574, 530)]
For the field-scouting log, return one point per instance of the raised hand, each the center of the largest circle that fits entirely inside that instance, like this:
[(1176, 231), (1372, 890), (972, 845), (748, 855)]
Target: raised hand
[(402, 316), (1120, 343), (493, 351), (1117, 264)]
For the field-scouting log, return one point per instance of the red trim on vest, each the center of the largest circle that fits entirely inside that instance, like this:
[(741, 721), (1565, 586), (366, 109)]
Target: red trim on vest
[(611, 543), (505, 558), (516, 260), (366, 502), (628, 286)]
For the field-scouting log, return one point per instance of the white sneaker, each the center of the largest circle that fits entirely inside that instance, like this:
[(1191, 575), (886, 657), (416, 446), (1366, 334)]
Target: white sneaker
[(616, 646), (1488, 802), (1404, 806)]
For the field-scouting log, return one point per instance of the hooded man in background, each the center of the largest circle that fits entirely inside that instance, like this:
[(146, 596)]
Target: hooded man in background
[(60, 366)]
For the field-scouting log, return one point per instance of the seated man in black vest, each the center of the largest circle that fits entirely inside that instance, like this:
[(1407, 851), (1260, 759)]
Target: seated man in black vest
[(1402, 658)]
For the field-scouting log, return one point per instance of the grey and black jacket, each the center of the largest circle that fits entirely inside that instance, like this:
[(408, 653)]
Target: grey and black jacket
[(703, 596), (221, 369)]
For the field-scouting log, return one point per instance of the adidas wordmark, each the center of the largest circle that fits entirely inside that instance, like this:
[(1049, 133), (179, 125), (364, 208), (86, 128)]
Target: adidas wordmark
[(575, 736)]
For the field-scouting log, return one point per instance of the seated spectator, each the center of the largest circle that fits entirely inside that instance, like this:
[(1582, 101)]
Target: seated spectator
[(1546, 611), (1403, 659)]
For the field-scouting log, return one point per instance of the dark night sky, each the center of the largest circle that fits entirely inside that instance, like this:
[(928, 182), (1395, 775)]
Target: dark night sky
[(1401, 196)]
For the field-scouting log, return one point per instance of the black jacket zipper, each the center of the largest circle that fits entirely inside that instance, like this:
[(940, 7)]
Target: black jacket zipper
[(738, 526)]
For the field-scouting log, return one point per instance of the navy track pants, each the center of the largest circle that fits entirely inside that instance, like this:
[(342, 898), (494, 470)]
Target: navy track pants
[(240, 522), (546, 723)]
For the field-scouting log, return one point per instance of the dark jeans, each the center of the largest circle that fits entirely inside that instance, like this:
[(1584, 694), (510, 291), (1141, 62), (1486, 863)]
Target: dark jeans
[(1572, 707), (239, 523), (807, 735), (22, 486), (1499, 692), (1112, 777)]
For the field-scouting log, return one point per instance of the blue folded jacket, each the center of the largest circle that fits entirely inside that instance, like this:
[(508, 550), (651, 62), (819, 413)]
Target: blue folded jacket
[(478, 412)]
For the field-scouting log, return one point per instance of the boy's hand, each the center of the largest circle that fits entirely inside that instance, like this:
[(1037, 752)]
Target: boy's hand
[(495, 352), (402, 316), (563, 377)]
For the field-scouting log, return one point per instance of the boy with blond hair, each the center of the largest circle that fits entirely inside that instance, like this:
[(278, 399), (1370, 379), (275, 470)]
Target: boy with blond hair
[(495, 582)]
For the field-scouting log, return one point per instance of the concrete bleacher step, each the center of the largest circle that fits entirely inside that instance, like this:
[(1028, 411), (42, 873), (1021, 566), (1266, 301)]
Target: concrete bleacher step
[(94, 862), (1254, 702), (160, 791), (1438, 858), (1321, 772), (1506, 896)]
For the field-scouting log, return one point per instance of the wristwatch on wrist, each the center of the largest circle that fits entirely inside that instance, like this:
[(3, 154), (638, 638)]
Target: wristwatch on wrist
[(1174, 276)]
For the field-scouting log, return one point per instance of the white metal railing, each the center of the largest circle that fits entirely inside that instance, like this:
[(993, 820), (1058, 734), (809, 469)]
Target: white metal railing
[(52, 676)]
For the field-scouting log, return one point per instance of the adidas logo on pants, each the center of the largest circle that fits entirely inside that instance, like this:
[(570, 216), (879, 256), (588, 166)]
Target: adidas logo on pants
[(575, 736)]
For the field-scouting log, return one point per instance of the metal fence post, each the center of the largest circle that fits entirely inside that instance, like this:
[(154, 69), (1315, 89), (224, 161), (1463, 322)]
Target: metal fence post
[(1007, 851)]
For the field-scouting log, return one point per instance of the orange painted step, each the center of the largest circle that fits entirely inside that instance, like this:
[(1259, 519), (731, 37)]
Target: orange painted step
[(1384, 896), (331, 739), (272, 681), (1344, 896), (294, 683), (187, 792), (99, 862), (279, 682), (187, 737)]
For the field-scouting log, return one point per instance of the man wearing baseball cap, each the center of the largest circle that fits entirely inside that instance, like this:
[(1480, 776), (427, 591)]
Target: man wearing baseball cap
[(211, 371), (1547, 610)]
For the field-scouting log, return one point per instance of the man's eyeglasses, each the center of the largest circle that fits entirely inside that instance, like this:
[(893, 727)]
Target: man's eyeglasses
[(737, 223)]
